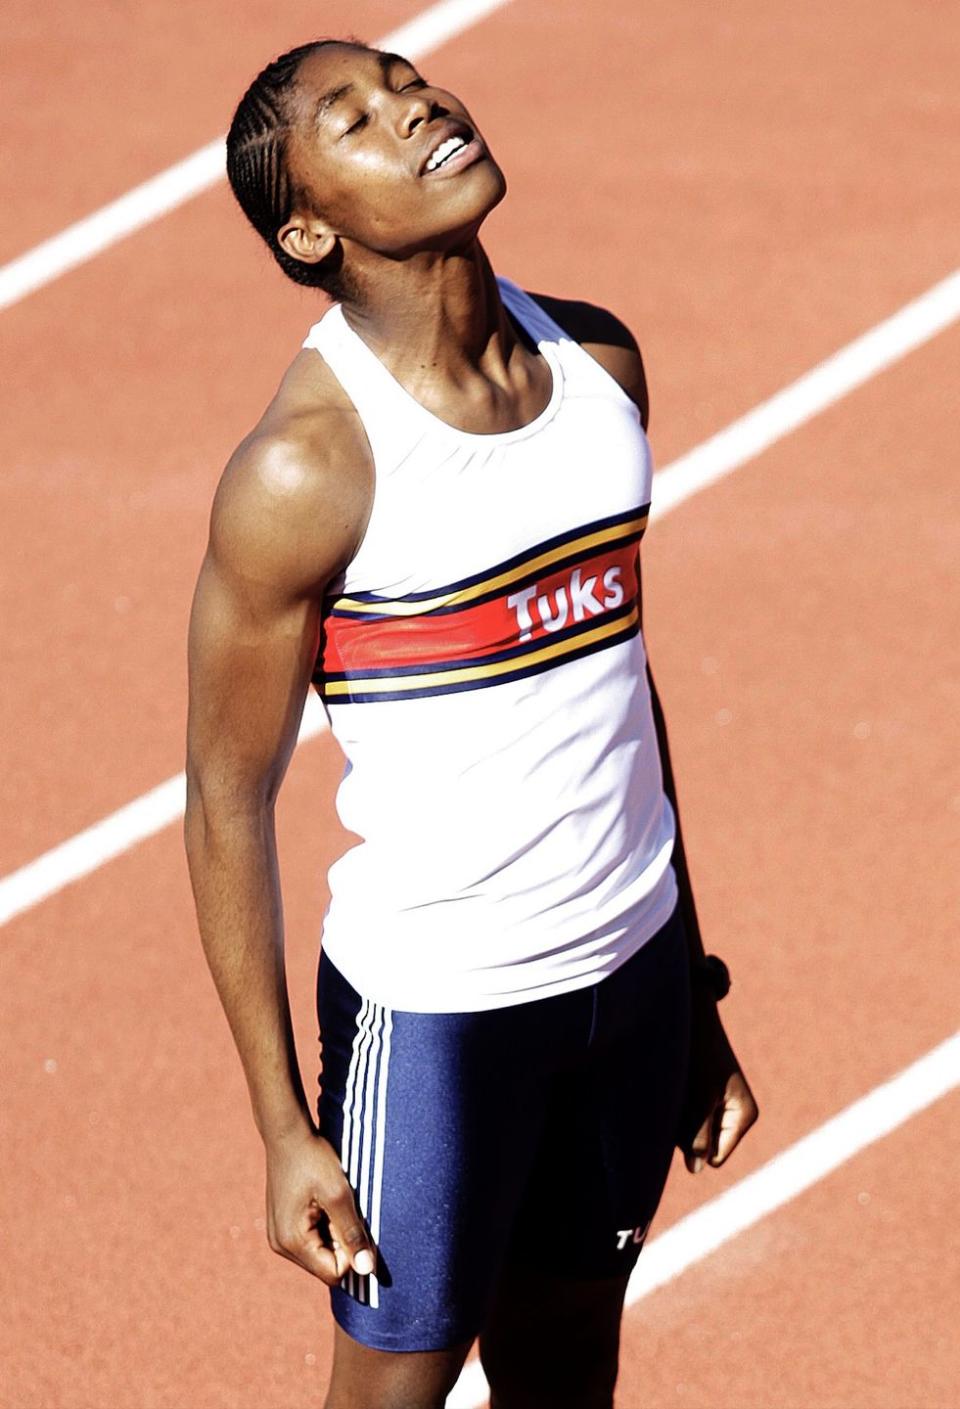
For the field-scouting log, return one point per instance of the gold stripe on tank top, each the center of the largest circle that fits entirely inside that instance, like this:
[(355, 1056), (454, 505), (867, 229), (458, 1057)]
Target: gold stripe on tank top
[(384, 607)]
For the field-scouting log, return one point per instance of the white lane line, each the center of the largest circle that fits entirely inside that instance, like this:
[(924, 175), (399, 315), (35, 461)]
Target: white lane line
[(724, 452), (124, 829), (204, 168), (829, 381), (781, 1179)]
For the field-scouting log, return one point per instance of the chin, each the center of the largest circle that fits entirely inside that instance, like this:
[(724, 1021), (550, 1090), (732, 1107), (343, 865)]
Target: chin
[(488, 195)]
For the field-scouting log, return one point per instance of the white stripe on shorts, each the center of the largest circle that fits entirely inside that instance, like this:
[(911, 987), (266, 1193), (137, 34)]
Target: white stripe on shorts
[(364, 1118), (349, 1103), (362, 1043), (359, 1172), (377, 1189)]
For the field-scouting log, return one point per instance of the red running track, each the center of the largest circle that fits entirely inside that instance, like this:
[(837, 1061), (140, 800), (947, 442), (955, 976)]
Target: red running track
[(750, 186)]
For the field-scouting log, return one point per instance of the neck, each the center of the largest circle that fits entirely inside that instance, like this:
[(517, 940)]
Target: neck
[(436, 313)]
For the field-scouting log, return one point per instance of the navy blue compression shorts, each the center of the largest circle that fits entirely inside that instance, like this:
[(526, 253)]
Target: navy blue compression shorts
[(538, 1135)]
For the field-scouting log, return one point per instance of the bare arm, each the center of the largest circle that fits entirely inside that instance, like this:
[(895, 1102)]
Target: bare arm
[(281, 525), (720, 1106)]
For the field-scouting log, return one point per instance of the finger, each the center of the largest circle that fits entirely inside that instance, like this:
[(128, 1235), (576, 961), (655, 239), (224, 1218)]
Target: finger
[(303, 1247), (322, 1247), (349, 1236), (739, 1113), (695, 1156), (323, 1262)]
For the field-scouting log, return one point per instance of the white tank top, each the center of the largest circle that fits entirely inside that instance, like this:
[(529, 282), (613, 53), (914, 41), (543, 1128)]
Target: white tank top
[(482, 668)]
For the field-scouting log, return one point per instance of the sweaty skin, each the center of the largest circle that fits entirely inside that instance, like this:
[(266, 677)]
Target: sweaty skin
[(289, 513)]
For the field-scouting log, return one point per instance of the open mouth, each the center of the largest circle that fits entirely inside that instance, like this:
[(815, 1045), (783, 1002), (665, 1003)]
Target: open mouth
[(445, 151), (448, 149)]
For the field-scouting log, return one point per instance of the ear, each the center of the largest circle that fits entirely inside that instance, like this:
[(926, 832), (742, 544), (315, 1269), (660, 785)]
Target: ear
[(307, 238)]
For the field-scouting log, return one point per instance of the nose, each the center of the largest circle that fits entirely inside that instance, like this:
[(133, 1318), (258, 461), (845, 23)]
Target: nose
[(417, 108)]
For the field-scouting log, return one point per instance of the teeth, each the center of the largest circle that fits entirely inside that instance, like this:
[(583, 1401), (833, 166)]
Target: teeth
[(446, 149)]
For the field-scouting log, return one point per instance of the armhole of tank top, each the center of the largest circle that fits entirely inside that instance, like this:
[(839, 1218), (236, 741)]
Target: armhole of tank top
[(336, 586), (349, 363), (530, 305)]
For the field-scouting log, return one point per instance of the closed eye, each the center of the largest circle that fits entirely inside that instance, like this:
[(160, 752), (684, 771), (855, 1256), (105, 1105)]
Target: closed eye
[(412, 85)]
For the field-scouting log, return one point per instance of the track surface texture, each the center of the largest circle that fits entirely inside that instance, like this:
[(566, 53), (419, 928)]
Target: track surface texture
[(749, 185)]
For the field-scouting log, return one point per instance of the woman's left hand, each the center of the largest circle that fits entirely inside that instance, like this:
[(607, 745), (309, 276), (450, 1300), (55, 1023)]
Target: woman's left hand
[(719, 1107)]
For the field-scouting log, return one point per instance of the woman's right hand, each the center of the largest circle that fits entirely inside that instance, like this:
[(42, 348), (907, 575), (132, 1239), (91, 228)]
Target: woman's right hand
[(312, 1216)]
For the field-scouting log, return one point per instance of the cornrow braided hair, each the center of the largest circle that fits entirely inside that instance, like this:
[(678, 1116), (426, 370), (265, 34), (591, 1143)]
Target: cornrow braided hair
[(257, 166)]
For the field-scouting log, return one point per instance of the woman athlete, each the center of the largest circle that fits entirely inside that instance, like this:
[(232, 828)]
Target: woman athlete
[(436, 523)]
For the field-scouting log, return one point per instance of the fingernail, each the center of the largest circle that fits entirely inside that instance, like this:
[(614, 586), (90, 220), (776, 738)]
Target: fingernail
[(697, 1165), (363, 1263)]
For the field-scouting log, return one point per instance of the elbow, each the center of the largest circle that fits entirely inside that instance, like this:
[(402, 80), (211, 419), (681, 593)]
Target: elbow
[(217, 809), (194, 818)]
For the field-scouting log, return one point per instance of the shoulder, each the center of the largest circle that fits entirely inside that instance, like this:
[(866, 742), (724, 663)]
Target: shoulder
[(292, 503), (606, 338)]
